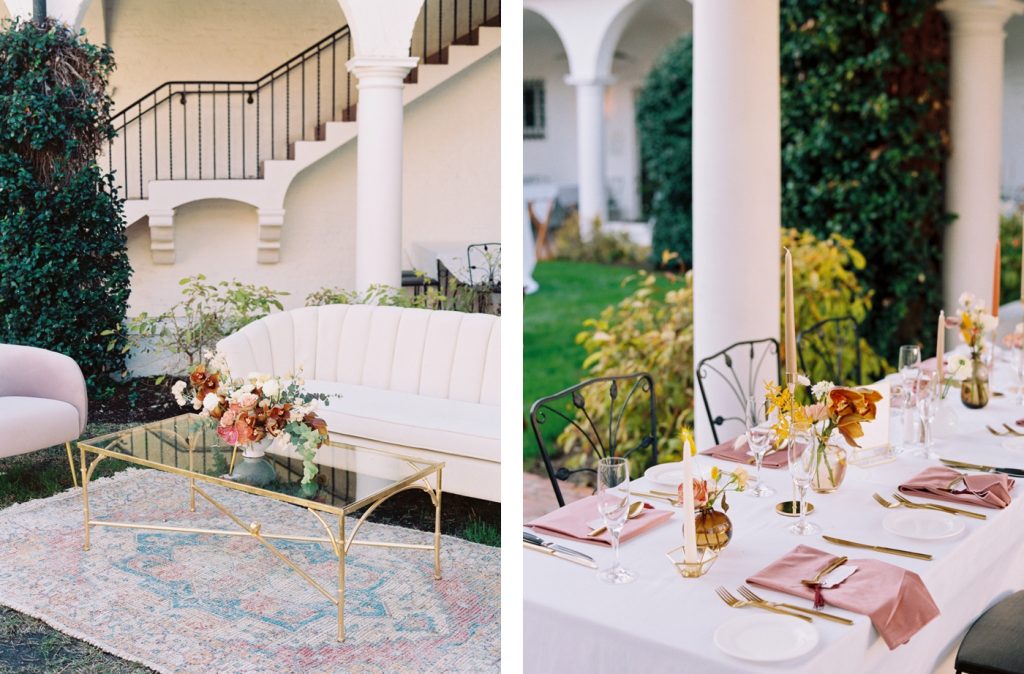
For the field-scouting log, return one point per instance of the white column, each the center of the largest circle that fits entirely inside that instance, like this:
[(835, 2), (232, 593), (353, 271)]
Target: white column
[(70, 12), (736, 181), (379, 169), (593, 201), (975, 119)]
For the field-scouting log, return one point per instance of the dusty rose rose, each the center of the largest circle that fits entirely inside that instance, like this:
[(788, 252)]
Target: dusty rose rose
[(248, 401), (700, 493)]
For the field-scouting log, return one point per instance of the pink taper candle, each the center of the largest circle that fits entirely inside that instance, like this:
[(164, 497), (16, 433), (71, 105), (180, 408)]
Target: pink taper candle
[(995, 280), (940, 351), (790, 324)]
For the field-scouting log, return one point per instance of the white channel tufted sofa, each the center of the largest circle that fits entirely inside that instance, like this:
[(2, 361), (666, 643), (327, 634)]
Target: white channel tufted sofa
[(423, 383)]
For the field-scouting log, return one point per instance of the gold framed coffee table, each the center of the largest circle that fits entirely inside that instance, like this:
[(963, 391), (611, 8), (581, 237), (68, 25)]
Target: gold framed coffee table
[(356, 478)]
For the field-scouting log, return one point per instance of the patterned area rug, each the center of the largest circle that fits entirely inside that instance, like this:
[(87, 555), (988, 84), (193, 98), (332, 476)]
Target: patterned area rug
[(200, 603)]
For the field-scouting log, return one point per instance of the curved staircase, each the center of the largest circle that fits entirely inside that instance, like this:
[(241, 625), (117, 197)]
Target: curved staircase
[(247, 141)]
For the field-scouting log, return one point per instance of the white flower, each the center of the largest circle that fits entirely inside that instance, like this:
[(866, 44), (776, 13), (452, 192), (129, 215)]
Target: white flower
[(197, 403), (210, 402), (989, 322), (956, 367), (240, 392), (966, 300), (271, 388), (802, 380), (257, 377), (821, 389), (179, 393)]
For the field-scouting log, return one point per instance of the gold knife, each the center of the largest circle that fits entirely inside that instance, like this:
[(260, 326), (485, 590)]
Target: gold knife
[(879, 548), (555, 553)]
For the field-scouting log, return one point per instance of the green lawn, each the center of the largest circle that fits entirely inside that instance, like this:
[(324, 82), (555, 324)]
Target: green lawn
[(569, 293)]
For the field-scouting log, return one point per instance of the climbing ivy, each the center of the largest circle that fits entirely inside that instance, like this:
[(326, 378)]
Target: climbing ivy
[(64, 271)]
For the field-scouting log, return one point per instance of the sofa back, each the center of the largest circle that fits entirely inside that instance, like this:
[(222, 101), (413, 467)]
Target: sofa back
[(441, 354)]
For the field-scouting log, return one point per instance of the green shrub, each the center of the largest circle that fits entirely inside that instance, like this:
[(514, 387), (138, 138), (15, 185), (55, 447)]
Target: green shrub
[(664, 111), (603, 247), (64, 270), (207, 313), (651, 330), (864, 141), (457, 297), (1010, 237)]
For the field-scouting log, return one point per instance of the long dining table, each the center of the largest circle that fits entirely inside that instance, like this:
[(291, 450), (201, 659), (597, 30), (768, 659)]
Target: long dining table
[(574, 622)]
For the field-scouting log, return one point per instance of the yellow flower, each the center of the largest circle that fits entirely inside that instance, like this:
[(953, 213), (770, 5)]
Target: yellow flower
[(715, 473), (741, 479)]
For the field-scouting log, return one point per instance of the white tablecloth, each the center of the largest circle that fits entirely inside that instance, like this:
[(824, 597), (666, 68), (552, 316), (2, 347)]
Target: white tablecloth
[(573, 622)]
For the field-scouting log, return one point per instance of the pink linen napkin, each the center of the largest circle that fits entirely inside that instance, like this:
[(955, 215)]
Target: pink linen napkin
[(895, 599), (991, 490), (571, 520), (727, 451)]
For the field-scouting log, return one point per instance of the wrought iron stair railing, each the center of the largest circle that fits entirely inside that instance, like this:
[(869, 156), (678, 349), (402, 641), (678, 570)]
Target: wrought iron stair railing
[(226, 130)]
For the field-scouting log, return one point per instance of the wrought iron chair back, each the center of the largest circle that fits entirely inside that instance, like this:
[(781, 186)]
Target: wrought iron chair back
[(485, 260), (833, 347), (741, 368), (599, 431)]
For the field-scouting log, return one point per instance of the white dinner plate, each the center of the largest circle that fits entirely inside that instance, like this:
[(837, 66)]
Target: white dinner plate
[(926, 525), (666, 474), (761, 637)]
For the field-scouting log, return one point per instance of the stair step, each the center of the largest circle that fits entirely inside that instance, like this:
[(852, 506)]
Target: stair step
[(413, 76), (438, 58), (472, 38), (494, 22)]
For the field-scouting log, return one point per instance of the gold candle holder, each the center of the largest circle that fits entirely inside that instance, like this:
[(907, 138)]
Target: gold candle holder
[(707, 558)]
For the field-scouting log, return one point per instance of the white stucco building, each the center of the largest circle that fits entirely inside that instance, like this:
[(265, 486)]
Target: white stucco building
[(297, 145), (586, 59)]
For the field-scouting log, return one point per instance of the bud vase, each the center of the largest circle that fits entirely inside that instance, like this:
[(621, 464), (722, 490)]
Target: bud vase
[(714, 528), (974, 391), (830, 466)]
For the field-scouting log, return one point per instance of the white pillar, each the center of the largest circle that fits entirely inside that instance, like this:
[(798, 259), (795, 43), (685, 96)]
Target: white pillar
[(736, 181), (381, 33), (593, 201), (975, 120), (70, 12), (379, 169)]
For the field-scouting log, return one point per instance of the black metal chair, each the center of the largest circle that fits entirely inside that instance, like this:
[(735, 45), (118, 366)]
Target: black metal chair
[(828, 343), (485, 259), (993, 643), (721, 368), (570, 405)]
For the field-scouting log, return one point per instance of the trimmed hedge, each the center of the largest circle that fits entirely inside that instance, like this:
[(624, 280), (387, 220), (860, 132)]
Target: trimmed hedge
[(864, 141), (64, 271)]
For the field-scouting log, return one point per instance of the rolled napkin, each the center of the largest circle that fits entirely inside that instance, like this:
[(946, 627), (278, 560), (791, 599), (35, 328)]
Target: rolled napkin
[(572, 520), (895, 599), (991, 490), (737, 450)]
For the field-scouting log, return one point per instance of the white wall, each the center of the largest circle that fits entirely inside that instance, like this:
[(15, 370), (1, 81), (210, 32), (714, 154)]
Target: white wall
[(1013, 111), (656, 25), (452, 193)]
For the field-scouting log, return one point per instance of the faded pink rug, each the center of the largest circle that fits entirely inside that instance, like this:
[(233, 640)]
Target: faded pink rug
[(199, 603)]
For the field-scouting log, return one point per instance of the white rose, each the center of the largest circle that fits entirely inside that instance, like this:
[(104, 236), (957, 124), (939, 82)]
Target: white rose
[(197, 403), (179, 393), (821, 389), (210, 402), (989, 322), (802, 380), (271, 388)]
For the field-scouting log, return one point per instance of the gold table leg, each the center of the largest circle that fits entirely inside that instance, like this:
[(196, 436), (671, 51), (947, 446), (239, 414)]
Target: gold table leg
[(85, 497), (437, 529), (341, 550), (71, 463)]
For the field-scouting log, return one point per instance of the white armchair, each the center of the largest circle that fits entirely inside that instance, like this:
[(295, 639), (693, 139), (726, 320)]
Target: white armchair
[(43, 401)]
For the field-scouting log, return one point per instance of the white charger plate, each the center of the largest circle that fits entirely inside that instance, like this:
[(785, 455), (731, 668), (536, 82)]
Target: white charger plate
[(666, 474), (922, 525), (760, 637)]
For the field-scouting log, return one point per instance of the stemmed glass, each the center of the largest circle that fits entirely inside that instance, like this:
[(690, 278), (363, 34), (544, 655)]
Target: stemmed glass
[(759, 437), (910, 370), (1019, 371), (928, 399), (802, 466), (613, 504)]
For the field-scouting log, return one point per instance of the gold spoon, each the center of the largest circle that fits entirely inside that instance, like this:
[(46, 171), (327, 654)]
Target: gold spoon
[(636, 508)]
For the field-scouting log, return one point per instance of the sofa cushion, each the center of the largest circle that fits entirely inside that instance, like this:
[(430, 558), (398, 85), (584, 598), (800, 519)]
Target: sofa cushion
[(438, 424), (35, 423)]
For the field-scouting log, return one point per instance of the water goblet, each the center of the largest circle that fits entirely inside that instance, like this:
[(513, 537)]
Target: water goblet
[(910, 370), (759, 438), (613, 504), (803, 465), (928, 400)]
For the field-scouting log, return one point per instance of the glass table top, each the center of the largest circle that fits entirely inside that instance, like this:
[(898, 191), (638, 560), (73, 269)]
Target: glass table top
[(349, 477)]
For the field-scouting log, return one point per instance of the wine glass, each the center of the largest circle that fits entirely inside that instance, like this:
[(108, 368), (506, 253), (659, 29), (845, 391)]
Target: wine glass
[(613, 504), (909, 369), (928, 399), (1019, 371), (759, 438), (803, 465)]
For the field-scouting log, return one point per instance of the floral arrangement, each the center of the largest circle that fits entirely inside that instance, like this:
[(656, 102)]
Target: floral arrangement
[(975, 323), (705, 494), (245, 411)]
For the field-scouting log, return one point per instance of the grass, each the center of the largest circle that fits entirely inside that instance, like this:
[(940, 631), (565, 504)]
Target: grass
[(570, 292)]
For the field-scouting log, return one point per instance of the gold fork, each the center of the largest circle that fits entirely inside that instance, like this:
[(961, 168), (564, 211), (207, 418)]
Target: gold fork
[(734, 602), (994, 431), (940, 508), (1012, 430), (749, 594)]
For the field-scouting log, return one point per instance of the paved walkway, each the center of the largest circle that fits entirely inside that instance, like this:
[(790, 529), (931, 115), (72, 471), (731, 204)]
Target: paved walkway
[(539, 497)]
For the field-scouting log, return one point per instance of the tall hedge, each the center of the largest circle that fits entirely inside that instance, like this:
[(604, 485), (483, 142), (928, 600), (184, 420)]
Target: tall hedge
[(64, 271), (864, 140)]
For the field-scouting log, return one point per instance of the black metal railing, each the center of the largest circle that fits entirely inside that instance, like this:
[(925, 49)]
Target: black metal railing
[(216, 130)]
